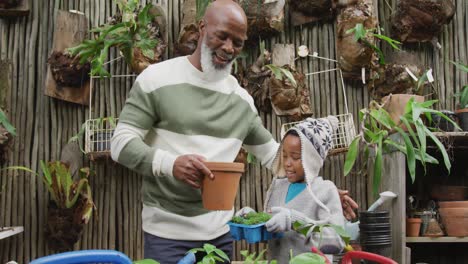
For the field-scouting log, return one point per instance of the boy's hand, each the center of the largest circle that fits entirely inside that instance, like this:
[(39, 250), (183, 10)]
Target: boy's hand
[(348, 204), (281, 220), (244, 211)]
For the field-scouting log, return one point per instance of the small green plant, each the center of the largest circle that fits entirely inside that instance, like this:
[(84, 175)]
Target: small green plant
[(253, 258), (362, 34), (135, 30), (213, 254), (304, 229), (6, 124), (376, 128), (252, 218), (279, 72), (101, 122), (463, 94)]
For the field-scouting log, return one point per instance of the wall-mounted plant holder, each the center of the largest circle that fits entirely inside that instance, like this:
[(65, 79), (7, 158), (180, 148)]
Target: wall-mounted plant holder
[(71, 29), (99, 131), (346, 131), (14, 8)]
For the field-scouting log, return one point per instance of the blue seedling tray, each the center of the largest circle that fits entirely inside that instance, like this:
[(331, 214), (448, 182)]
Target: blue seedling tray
[(252, 233)]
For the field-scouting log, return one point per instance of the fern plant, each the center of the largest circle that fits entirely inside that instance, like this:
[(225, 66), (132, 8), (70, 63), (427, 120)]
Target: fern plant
[(132, 31)]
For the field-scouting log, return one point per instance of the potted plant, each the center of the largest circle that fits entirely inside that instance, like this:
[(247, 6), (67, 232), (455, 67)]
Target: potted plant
[(251, 227), (137, 32), (71, 205), (98, 133), (211, 255), (7, 132), (377, 128), (67, 70), (462, 111)]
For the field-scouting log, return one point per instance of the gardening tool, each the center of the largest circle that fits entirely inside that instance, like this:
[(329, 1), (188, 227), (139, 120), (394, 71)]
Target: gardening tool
[(353, 228)]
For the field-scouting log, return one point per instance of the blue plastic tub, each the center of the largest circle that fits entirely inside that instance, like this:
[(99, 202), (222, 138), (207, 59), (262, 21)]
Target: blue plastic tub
[(252, 233)]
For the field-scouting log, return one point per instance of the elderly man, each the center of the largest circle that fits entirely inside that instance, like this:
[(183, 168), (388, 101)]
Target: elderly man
[(179, 113)]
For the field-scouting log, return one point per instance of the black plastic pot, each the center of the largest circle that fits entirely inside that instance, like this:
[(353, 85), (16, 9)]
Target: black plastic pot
[(462, 115), (375, 220), (372, 214), (442, 123), (375, 227)]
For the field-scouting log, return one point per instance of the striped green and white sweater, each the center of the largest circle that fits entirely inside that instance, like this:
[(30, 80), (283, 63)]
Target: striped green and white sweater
[(172, 110)]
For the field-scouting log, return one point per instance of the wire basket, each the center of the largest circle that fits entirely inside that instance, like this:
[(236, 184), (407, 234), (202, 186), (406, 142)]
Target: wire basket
[(342, 136), (99, 131), (345, 132), (98, 135)]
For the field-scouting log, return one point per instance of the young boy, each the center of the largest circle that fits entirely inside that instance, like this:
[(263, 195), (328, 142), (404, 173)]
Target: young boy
[(298, 194)]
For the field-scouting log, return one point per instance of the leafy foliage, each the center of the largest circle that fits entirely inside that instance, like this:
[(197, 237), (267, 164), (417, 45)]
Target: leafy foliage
[(252, 258), (6, 124), (463, 94), (307, 258), (304, 229), (376, 128), (213, 255), (132, 32), (252, 218), (279, 72), (201, 6), (362, 34)]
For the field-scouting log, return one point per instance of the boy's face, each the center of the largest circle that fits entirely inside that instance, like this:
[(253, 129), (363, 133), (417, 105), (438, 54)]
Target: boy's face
[(292, 158)]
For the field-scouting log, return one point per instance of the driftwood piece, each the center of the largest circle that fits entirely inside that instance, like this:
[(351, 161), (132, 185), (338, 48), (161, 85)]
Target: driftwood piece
[(421, 20), (393, 77), (71, 29), (188, 37), (265, 17), (20, 9), (307, 11), (287, 99), (353, 55)]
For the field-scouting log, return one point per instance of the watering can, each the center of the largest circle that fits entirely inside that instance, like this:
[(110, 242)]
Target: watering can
[(353, 228)]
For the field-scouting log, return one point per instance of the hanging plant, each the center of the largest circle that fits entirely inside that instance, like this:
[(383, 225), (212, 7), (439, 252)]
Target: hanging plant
[(421, 20), (67, 70), (135, 31)]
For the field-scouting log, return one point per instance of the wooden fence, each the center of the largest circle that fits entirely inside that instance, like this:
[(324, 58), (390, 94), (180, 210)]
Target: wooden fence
[(44, 125)]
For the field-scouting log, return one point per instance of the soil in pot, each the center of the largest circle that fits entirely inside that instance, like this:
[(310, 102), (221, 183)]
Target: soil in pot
[(64, 226), (8, 3), (220, 193), (67, 71), (463, 118)]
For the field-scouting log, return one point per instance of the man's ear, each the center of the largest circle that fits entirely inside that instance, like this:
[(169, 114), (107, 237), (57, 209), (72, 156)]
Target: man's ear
[(201, 27)]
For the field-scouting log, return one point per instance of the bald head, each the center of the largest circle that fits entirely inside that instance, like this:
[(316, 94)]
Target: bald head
[(225, 9)]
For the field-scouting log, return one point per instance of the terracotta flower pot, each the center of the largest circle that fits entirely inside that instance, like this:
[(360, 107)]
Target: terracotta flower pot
[(220, 193), (412, 227), (395, 106), (455, 221)]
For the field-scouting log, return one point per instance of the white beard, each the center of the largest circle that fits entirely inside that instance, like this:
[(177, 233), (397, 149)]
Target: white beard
[(208, 68)]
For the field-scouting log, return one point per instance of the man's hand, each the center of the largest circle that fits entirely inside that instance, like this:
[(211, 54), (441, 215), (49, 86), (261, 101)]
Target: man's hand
[(191, 170), (348, 204)]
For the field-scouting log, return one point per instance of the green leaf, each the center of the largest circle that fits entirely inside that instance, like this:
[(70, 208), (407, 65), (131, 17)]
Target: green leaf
[(441, 148), (146, 261), (290, 76), (460, 66), (351, 155), (393, 43), (221, 254), (251, 159), (382, 116), (276, 71), (410, 156), (6, 124), (307, 258)]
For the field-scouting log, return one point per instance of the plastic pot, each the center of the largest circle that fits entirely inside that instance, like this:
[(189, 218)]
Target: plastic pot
[(252, 233), (463, 118), (220, 193)]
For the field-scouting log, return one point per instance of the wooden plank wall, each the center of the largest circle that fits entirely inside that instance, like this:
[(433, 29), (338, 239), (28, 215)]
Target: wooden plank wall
[(44, 125)]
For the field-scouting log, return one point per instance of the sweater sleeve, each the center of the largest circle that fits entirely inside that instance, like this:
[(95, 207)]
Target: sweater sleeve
[(128, 148), (260, 142)]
